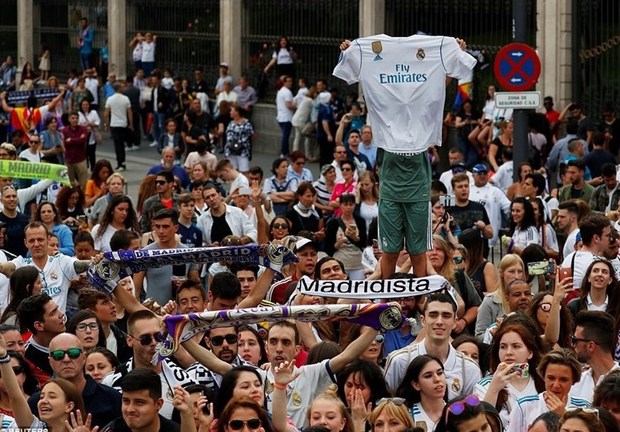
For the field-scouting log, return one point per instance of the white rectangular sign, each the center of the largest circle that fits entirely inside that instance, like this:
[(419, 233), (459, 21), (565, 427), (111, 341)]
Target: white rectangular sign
[(518, 100)]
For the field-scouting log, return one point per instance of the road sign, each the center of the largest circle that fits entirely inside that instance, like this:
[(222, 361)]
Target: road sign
[(517, 67), (517, 100)]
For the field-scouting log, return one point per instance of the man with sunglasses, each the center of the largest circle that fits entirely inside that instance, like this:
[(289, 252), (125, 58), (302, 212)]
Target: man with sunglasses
[(340, 155), (144, 329), (67, 359), (223, 343), (42, 316), (439, 319), (594, 343), (164, 185)]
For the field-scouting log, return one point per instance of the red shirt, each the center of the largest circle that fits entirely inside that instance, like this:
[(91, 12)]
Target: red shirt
[(75, 143), (552, 116)]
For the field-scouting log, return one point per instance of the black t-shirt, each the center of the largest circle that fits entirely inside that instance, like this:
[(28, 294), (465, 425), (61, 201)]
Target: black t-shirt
[(14, 241), (467, 216), (220, 228), (596, 159)]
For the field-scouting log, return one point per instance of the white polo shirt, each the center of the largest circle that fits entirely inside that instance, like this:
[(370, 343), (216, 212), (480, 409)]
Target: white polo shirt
[(462, 373), (55, 277), (312, 381)]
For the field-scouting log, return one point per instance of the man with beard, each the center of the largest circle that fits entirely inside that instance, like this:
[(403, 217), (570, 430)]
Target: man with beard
[(144, 329), (403, 336), (594, 342), (223, 343)]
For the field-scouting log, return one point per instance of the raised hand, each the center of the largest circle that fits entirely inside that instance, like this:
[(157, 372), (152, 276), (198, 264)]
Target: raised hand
[(284, 373), (78, 425)]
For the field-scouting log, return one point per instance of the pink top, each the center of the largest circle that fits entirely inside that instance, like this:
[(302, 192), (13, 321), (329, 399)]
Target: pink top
[(342, 188)]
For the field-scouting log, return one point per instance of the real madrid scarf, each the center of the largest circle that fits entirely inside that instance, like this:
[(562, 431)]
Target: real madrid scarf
[(34, 170), (182, 327), (115, 266), (374, 289)]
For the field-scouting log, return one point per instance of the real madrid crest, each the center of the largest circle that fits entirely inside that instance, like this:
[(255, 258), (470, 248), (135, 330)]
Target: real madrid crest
[(456, 385), (377, 47), (420, 54), (296, 398)]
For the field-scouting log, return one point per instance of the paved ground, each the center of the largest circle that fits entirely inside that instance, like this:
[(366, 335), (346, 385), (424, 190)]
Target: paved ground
[(139, 162)]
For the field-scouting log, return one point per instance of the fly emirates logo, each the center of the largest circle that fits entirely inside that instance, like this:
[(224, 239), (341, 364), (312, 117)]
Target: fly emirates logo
[(402, 75)]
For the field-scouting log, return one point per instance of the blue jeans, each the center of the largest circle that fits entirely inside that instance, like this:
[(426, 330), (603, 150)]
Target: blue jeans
[(159, 126), (148, 67), (85, 60), (286, 128)]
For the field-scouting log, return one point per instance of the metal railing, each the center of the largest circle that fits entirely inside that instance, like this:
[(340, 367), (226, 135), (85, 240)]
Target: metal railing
[(486, 26), (596, 57), (188, 34), (57, 27), (314, 28), (8, 29)]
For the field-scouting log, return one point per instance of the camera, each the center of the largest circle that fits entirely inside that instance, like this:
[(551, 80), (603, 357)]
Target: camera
[(447, 200)]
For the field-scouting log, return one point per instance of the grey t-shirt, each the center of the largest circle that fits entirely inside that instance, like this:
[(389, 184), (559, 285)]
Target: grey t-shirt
[(159, 280)]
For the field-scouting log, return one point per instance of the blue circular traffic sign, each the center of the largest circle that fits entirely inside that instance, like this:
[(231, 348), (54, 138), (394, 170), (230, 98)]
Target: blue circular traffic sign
[(517, 67)]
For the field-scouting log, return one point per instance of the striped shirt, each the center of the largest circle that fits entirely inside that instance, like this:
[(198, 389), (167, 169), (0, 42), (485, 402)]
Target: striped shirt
[(530, 407)]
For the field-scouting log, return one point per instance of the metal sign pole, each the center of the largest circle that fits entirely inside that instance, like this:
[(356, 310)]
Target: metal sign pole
[(520, 141)]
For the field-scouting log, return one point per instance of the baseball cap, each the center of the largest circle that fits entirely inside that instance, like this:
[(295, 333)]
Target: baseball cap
[(302, 242), (224, 64), (457, 167), (245, 191), (479, 168)]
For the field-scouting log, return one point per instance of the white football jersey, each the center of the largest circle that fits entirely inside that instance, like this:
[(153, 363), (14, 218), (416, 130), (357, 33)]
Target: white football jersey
[(404, 81)]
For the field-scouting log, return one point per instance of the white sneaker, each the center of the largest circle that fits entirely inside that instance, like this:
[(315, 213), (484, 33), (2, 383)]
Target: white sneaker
[(154, 144)]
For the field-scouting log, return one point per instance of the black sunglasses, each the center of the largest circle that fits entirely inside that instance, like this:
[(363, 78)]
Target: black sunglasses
[(237, 425), (219, 340), (147, 339), (160, 182), (59, 355), (280, 225)]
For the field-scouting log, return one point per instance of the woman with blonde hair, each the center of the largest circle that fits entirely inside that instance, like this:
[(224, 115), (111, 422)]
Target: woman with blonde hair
[(390, 415), (494, 305), (329, 411)]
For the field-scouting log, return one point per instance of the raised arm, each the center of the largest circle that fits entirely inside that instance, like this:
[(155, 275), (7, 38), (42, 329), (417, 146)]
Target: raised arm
[(206, 357), (21, 411), (353, 350)]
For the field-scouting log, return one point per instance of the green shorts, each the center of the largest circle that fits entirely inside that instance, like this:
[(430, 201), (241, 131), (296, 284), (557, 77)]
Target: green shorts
[(404, 206), (408, 221)]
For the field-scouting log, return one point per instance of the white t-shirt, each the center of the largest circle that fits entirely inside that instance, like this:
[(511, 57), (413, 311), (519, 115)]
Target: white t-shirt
[(55, 277), (584, 389), (239, 182), (400, 75), (503, 176), (513, 395), (118, 104), (462, 373), (569, 245), (579, 265), (92, 84), (495, 202), (524, 238), (5, 289), (102, 244), (529, 407), (285, 114), (91, 117), (421, 418), (282, 56), (30, 157), (148, 51)]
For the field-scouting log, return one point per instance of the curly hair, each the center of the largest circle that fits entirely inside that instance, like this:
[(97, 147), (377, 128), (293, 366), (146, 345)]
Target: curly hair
[(62, 200)]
